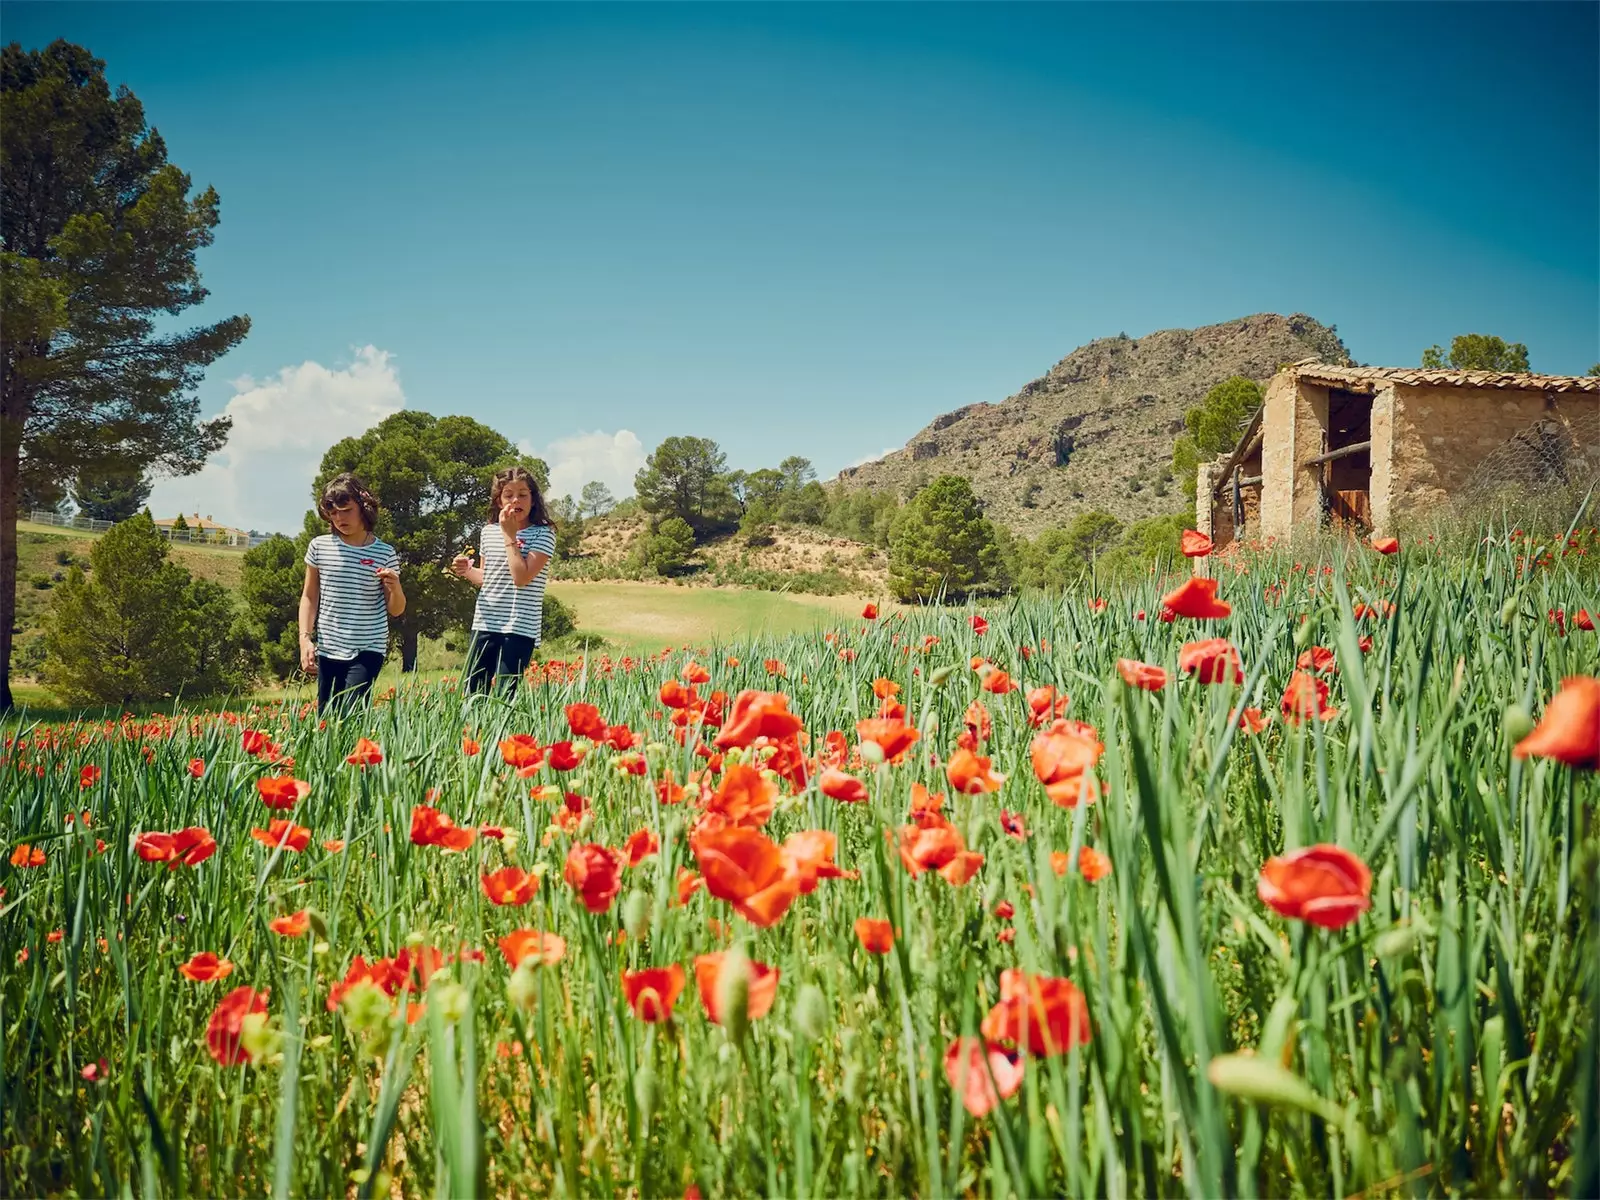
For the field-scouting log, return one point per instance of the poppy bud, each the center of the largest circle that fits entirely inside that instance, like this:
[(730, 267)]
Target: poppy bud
[(1516, 723), (1508, 610), (644, 1092), (1264, 1081), (550, 794), (452, 1000), (366, 1008), (258, 1037), (852, 1084), (939, 675), (523, 989), (636, 913), (871, 753), (810, 1012), (1302, 635), (1397, 942), (733, 994)]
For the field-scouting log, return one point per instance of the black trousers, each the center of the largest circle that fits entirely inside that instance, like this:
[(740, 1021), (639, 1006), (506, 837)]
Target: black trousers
[(345, 683), (497, 659)]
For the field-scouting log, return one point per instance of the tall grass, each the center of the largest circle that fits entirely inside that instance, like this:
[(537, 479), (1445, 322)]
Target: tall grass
[(1445, 1042)]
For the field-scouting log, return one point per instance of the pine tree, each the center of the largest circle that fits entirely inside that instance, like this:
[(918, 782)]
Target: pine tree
[(943, 544)]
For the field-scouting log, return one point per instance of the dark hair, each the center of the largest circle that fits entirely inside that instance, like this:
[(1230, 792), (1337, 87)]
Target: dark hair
[(346, 489), (537, 513)]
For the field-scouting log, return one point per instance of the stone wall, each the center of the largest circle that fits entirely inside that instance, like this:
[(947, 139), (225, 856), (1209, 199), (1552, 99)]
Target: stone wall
[(1277, 457)]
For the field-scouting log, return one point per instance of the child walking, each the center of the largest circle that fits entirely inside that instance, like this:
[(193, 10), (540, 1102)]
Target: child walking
[(514, 557), (352, 589)]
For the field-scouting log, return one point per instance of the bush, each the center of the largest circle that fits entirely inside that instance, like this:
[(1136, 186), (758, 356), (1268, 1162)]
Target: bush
[(942, 544), (41, 582), (559, 619), (669, 547)]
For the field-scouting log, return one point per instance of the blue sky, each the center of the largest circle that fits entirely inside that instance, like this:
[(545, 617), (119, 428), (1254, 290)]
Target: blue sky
[(812, 228)]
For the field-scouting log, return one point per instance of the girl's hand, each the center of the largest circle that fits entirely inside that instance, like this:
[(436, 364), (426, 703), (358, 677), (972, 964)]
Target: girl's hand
[(308, 656), (510, 522), (460, 565), (389, 577)]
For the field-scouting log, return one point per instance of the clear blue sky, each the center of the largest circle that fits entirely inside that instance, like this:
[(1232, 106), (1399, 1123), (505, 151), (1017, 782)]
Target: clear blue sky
[(810, 229)]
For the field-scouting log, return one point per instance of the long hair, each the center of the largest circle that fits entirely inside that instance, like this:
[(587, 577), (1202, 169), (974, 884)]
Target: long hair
[(345, 489), (538, 514)]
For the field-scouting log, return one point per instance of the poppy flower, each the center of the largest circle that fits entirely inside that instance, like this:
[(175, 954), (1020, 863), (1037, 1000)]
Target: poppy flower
[(1318, 658), (1251, 720), (26, 856), (257, 744), (747, 869), (762, 992), (293, 925), (522, 751), (641, 844), (470, 746), (979, 625), (367, 753), (1093, 865), (89, 776), (757, 714), (1325, 885), (743, 797), (510, 885), (227, 1023), (650, 993), (595, 873), (962, 867), (839, 786), (282, 791), (808, 856), (1061, 754), (893, 737), (584, 721), (1142, 675), (1046, 703), (1196, 597), (430, 827), (674, 695), (998, 683), (1582, 620), (884, 689), (689, 882), (969, 1063), (521, 944), (206, 967), (563, 757), (1195, 544), (1214, 660), (1097, 605), (876, 936), (1569, 730), (869, 613), (929, 849), (1013, 825), (191, 847), (1306, 696), (1386, 545), (1040, 1014), (334, 845), (620, 737), (197, 767), (970, 775), (980, 726), (283, 833)]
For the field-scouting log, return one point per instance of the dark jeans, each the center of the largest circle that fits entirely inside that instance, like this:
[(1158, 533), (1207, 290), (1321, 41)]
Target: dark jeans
[(497, 658), (346, 683)]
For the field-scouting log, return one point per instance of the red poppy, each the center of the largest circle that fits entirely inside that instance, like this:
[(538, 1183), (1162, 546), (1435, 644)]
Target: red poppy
[(595, 873), (1093, 865), (1061, 755), (1038, 1013), (884, 689), (750, 871), (839, 786), (197, 767), (510, 885), (1045, 703), (1569, 730), (763, 989), (282, 791), (641, 844), (689, 882), (469, 746), (650, 993), (1582, 620), (522, 751), (1196, 597), (808, 856), (520, 944), (930, 848), (893, 737), (227, 1023), (979, 625), (998, 683), (1251, 720), (876, 936), (1325, 885), (962, 867), (674, 695), (563, 757), (258, 745), (1195, 544), (206, 967), (430, 827), (757, 714), (1318, 658), (1213, 661), (620, 737), (1306, 696), (367, 753), (293, 925), (1142, 675), (283, 833), (743, 797), (89, 776), (333, 845), (1013, 825), (1386, 545), (26, 856), (584, 721), (191, 847), (870, 613), (970, 775), (969, 1064)]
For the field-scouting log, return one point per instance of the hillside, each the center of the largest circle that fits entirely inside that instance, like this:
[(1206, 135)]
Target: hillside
[(1096, 431)]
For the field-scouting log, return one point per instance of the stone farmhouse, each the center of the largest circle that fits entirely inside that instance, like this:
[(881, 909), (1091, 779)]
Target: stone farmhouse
[(1369, 447)]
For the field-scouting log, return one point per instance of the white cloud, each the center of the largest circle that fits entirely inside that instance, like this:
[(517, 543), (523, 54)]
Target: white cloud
[(612, 458), (282, 426), (861, 462)]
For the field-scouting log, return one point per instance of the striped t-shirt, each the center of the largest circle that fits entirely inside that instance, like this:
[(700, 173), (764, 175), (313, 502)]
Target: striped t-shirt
[(352, 612), (503, 607)]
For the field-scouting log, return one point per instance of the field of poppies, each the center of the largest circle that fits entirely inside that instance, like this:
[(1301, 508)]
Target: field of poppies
[(1281, 883)]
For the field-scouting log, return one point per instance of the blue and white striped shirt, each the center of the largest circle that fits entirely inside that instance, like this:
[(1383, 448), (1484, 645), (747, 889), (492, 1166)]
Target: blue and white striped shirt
[(352, 611), (503, 607)]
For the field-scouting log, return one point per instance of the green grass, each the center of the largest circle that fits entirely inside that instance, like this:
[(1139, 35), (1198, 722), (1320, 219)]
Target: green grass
[(1444, 1042)]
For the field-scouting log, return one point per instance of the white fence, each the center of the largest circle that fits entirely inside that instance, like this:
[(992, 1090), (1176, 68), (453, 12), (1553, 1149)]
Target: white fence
[(226, 540)]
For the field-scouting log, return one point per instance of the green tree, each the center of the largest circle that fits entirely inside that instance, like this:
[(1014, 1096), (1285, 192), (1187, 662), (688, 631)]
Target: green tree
[(123, 633), (568, 516), (668, 548), (432, 477), (596, 500), (942, 542), (1594, 371), (111, 495), (862, 515), (687, 478), (273, 575), (1478, 352), (223, 660), (179, 525), (1213, 427), (99, 239)]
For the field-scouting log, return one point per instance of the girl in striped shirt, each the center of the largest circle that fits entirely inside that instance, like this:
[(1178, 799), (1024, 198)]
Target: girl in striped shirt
[(514, 553), (352, 588)]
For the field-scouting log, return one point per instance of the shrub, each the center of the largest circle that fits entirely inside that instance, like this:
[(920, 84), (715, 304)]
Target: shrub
[(943, 544)]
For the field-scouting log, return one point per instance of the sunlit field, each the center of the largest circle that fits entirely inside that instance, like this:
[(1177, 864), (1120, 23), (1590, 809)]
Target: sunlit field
[(1061, 897)]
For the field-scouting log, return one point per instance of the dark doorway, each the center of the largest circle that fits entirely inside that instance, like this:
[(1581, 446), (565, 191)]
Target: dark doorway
[(1347, 465)]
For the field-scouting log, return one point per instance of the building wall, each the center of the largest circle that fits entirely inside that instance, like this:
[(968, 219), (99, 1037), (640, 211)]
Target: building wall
[(1441, 435), (1277, 456), (1381, 485)]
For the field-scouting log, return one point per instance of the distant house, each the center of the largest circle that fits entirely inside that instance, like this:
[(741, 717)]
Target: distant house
[(204, 529), (1367, 447)]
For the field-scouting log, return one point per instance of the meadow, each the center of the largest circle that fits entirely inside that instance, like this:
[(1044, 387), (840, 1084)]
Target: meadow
[(1055, 897)]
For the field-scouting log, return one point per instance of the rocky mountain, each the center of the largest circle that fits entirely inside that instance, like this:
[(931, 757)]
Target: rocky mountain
[(1097, 430)]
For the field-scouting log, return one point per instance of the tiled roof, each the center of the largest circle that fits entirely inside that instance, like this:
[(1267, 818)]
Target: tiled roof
[(1438, 377)]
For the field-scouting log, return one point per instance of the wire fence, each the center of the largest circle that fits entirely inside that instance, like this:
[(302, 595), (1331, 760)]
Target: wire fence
[(224, 539)]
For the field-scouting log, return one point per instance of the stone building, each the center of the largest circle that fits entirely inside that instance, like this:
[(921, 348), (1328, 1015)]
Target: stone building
[(1368, 447)]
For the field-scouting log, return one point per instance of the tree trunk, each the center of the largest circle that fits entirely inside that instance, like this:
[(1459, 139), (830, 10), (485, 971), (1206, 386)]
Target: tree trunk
[(10, 496), (408, 649)]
